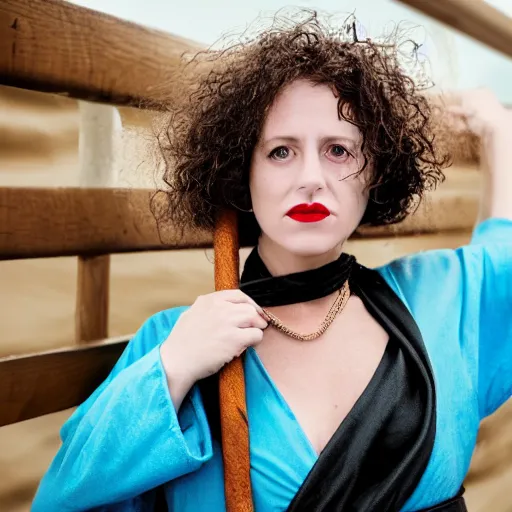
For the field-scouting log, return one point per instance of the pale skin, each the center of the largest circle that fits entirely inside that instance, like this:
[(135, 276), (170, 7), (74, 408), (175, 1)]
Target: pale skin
[(307, 154)]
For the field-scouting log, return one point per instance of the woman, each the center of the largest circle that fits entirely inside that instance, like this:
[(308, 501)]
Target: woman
[(364, 388)]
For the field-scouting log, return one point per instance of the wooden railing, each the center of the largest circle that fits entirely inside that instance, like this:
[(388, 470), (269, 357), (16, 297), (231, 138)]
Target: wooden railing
[(56, 47), (474, 18)]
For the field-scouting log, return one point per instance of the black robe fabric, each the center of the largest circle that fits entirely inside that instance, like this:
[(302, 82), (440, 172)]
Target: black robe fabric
[(377, 456)]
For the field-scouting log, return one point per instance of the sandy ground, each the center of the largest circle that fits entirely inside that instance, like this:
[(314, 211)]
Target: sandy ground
[(38, 146)]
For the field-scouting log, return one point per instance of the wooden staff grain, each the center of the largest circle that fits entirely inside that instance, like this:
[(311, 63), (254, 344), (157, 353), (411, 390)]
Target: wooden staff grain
[(233, 408)]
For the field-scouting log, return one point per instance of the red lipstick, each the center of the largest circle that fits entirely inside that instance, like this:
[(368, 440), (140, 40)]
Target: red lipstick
[(314, 212)]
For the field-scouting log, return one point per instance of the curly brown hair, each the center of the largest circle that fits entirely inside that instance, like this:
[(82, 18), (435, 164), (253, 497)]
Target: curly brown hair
[(209, 140)]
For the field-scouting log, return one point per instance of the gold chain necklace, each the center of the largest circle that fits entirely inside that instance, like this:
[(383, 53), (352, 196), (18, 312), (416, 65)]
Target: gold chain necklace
[(338, 305)]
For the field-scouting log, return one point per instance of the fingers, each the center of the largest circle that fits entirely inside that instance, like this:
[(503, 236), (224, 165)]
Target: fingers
[(466, 118), (251, 336), (235, 307), (460, 117), (238, 297), (246, 316), (458, 110)]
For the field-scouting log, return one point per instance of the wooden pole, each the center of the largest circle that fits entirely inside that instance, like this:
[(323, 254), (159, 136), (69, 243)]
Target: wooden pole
[(233, 410)]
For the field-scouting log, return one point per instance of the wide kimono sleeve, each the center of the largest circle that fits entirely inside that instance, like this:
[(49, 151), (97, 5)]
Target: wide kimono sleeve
[(465, 296), (127, 438)]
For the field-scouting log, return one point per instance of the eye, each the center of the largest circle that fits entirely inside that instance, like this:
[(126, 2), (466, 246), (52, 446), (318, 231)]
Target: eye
[(338, 152), (280, 153)]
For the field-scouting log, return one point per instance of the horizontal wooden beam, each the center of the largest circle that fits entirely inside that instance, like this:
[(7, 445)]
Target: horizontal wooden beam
[(56, 46), (49, 222), (474, 18), (447, 211), (46, 222), (37, 384)]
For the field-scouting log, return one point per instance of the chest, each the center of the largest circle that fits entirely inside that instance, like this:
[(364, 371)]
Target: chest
[(321, 380)]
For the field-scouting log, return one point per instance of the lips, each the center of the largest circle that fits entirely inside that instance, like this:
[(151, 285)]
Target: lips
[(314, 212)]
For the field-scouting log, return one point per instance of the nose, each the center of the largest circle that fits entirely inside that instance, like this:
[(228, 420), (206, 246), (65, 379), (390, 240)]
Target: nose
[(311, 174)]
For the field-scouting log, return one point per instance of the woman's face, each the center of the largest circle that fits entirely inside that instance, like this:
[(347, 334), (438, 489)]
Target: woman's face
[(306, 192)]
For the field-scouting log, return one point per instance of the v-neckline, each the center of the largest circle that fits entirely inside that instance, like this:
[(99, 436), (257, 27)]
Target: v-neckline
[(290, 411)]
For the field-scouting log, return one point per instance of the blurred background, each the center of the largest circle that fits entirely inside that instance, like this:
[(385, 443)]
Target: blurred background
[(39, 147)]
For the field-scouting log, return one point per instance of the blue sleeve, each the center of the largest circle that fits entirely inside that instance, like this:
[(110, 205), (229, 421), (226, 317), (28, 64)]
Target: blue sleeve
[(465, 296), (493, 240), (127, 437)]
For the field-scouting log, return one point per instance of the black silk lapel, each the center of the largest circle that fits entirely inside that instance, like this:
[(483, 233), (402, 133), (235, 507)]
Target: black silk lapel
[(379, 453)]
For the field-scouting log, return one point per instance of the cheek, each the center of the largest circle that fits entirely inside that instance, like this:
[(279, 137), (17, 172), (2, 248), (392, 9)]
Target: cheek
[(362, 197), (255, 189), (264, 184), (266, 197), (352, 198)]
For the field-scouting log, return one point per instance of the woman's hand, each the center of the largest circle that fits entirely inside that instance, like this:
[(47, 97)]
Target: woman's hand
[(216, 329), (480, 112)]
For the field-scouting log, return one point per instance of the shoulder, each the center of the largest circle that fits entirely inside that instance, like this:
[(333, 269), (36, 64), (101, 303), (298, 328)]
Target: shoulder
[(449, 272), (422, 279), (495, 231)]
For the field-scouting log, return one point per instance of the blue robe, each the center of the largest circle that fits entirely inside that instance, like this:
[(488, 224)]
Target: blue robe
[(127, 437)]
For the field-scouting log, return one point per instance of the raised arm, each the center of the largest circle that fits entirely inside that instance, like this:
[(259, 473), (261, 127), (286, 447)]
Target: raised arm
[(472, 286)]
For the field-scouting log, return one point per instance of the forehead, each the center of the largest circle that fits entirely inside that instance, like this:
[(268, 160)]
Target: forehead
[(303, 107)]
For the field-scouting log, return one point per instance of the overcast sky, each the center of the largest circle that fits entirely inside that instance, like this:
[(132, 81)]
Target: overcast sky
[(455, 60)]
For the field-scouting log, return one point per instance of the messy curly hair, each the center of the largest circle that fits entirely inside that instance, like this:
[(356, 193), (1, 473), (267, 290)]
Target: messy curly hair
[(209, 140)]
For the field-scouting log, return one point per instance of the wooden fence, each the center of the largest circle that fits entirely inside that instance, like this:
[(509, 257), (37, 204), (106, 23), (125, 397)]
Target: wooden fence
[(56, 47)]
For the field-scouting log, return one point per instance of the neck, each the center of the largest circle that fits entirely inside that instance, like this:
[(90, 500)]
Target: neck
[(281, 262)]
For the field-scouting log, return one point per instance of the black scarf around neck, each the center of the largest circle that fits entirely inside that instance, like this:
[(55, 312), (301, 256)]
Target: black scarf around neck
[(267, 290), (377, 456)]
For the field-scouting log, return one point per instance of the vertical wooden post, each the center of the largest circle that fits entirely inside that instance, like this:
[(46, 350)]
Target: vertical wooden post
[(99, 126)]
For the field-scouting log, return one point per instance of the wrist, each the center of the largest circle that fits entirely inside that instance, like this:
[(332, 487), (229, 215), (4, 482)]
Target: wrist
[(180, 378), (496, 132), (496, 156), (496, 164)]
